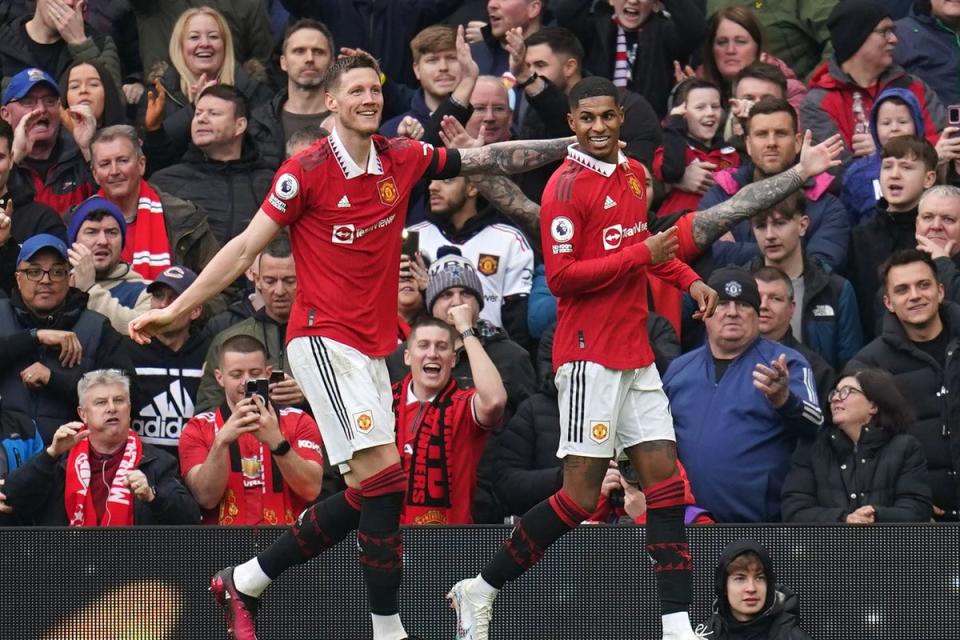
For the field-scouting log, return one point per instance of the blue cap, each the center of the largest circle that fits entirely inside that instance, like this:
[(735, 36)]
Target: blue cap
[(41, 241), (177, 278), (27, 79), (88, 206)]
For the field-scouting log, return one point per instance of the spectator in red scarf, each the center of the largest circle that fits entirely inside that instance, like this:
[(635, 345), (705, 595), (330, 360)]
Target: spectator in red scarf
[(108, 478)]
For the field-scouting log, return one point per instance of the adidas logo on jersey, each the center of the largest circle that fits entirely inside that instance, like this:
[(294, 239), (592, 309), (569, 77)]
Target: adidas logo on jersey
[(609, 203), (344, 203)]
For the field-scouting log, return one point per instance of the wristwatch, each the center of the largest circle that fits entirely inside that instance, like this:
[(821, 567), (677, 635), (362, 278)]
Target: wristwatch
[(281, 449), (469, 332)]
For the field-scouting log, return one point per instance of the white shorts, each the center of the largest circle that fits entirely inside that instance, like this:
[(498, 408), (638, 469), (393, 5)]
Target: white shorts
[(604, 411), (349, 394)]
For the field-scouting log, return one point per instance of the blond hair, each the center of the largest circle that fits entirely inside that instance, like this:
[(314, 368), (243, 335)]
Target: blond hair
[(187, 78)]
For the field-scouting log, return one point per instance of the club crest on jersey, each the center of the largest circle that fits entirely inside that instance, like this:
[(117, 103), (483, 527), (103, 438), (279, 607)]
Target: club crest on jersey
[(599, 431), (364, 421), (488, 264), (635, 185), (388, 191), (561, 229), (287, 186)]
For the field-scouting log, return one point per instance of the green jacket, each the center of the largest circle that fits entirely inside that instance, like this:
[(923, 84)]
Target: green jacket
[(188, 232), (795, 30)]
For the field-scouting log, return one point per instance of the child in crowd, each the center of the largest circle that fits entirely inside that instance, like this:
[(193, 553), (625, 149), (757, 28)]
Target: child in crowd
[(692, 134), (750, 605)]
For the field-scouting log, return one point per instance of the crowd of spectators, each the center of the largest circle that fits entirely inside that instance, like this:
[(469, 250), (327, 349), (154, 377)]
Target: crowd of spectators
[(137, 137)]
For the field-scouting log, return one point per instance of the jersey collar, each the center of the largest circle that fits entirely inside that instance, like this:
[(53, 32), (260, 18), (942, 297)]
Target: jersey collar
[(350, 168), (603, 168)]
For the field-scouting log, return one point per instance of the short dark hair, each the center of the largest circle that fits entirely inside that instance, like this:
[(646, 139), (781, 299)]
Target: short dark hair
[(742, 16), (906, 146), (229, 94), (684, 88), (768, 105), (880, 387), (763, 71), (774, 274), (592, 87), (331, 79), (6, 132), (430, 321), (560, 40), (241, 344), (308, 23), (793, 206), (907, 256), (306, 135), (279, 247), (744, 561)]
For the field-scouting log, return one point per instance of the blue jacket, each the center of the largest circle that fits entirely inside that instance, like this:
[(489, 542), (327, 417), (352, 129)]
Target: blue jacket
[(827, 236), (542, 305), (734, 444), (861, 180), (830, 321), (929, 50)]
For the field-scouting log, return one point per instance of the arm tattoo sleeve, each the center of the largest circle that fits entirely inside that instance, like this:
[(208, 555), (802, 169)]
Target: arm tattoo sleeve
[(506, 196), (710, 224), (513, 157)]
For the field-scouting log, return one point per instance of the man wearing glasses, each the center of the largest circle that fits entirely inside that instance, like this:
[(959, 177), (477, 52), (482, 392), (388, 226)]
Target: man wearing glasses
[(48, 338), (46, 159)]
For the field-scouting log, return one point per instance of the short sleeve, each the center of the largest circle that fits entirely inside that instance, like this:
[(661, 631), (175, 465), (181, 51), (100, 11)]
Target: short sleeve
[(305, 437), (193, 447), (286, 200)]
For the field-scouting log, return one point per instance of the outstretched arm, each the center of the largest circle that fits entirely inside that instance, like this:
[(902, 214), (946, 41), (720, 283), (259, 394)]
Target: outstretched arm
[(710, 224), (504, 194), (513, 157)]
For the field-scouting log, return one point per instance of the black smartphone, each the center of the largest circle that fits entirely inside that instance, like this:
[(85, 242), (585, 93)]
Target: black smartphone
[(277, 376), (627, 472), (257, 386), (411, 243), (953, 115)]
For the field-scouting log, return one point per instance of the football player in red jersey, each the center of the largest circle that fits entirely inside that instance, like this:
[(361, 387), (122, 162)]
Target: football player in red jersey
[(597, 251), (345, 201)]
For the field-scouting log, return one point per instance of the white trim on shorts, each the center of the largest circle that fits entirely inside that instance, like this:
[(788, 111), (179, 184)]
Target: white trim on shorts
[(349, 393)]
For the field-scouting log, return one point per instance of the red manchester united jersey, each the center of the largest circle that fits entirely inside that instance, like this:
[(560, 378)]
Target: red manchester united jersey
[(593, 223), (345, 224)]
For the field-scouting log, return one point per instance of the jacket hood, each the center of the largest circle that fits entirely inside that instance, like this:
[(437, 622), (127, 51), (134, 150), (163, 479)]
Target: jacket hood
[(915, 110), (484, 218), (728, 555)]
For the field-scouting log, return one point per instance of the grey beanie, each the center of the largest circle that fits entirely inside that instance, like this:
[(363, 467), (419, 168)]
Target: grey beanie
[(449, 270)]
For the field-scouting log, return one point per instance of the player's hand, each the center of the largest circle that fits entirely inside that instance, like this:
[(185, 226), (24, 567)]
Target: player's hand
[(455, 136), (663, 246), (706, 299), (66, 437), (151, 323), (36, 376), (814, 160), (410, 127), (285, 393), (461, 317), (474, 31), (698, 177), (156, 102), (244, 419), (862, 145), (83, 274), (70, 348), (139, 486), (773, 381), (947, 250), (681, 73)]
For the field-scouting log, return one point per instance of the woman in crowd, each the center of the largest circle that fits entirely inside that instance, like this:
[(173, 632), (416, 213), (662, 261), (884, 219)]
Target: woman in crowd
[(864, 469), (201, 54), (87, 83)]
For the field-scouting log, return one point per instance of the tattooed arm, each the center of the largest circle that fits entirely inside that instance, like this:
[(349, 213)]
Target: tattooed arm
[(508, 198), (710, 224), (513, 157)]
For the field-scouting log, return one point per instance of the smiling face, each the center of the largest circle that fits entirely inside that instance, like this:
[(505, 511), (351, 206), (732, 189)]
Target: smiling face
[(117, 168), (357, 101), (903, 181), (913, 294), (84, 86), (733, 48), (772, 142), (596, 122), (105, 409), (491, 109), (430, 354), (203, 46), (703, 113), (894, 120)]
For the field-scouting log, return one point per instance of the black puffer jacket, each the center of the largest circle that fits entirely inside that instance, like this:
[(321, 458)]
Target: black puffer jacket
[(228, 192), (884, 470), (935, 396), (780, 618)]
